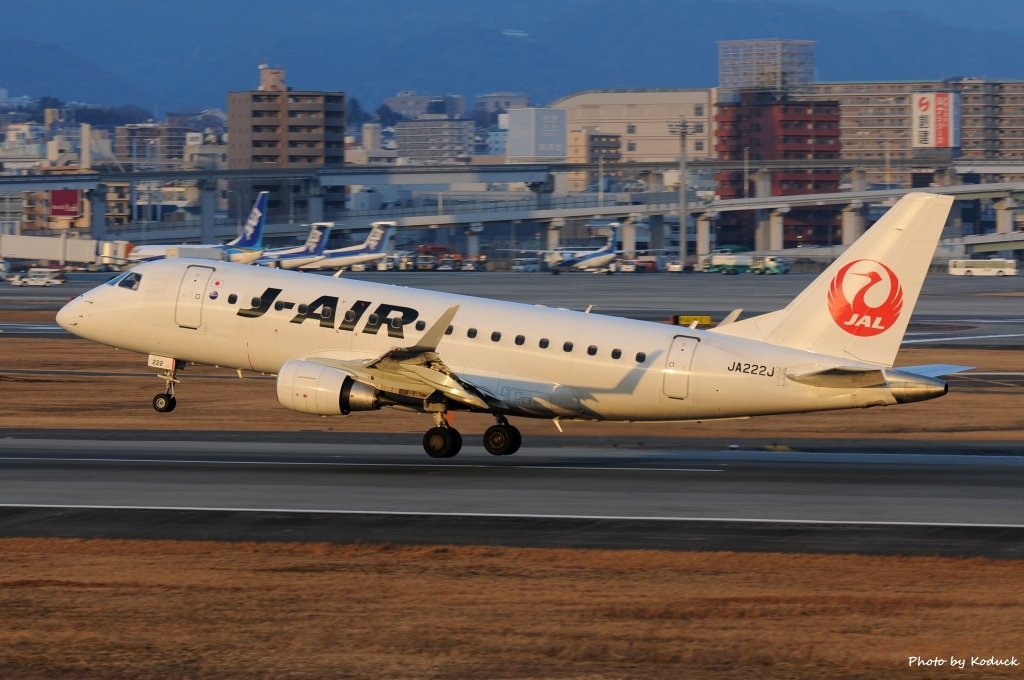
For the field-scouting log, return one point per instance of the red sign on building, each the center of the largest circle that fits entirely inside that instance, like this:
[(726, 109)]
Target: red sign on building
[(65, 203), (942, 126)]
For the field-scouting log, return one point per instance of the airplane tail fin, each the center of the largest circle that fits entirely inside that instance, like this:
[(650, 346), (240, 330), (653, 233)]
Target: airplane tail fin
[(317, 239), (379, 238), (613, 237), (252, 230), (860, 306)]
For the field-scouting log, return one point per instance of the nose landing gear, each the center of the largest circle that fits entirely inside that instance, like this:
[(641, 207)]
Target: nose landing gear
[(165, 401)]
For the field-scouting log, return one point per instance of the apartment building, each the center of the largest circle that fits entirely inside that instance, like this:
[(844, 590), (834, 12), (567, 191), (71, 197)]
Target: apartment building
[(643, 119), (276, 127), (435, 140), (877, 123)]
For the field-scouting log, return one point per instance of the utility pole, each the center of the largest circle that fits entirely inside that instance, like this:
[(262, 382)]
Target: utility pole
[(682, 128)]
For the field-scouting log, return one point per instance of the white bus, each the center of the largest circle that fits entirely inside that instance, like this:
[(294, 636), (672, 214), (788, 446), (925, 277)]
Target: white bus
[(983, 267), (526, 264)]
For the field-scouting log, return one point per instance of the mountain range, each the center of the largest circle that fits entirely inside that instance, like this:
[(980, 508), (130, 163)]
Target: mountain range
[(188, 54)]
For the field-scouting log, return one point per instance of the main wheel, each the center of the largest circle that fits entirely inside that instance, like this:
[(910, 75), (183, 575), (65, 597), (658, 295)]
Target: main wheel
[(442, 442), (502, 440), (164, 403)]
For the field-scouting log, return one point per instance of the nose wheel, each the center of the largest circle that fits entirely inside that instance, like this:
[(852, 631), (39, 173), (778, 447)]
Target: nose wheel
[(164, 402)]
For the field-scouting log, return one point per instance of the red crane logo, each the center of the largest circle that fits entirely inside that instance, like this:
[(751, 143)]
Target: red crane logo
[(874, 307)]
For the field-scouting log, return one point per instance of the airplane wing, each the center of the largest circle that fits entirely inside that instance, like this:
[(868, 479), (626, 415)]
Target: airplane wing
[(416, 371)]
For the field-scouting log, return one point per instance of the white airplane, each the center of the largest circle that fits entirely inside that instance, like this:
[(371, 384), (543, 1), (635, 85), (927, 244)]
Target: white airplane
[(247, 247), (376, 246), (598, 260), (296, 256), (339, 345)]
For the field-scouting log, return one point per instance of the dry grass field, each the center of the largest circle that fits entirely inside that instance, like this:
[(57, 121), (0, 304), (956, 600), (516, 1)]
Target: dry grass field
[(149, 609), (112, 609)]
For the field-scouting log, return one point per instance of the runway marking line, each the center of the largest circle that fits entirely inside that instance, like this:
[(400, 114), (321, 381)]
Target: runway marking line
[(495, 515), (952, 338), (432, 466)]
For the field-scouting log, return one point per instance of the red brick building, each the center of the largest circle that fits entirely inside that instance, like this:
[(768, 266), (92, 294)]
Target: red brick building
[(763, 126)]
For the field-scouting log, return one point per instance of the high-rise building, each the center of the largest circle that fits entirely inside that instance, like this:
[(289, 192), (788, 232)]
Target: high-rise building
[(776, 66), (276, 127)]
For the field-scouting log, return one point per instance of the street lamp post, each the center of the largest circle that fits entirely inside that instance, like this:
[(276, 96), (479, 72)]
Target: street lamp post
[(682, 128), (746, 170)]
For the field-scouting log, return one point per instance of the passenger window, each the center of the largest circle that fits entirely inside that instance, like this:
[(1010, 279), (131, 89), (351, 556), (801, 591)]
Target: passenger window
[(450, 330), (543, 344), (232, 299), (641, 357), (326, 312), (302, 308), (421, 325), (616, 354), (567, 347), (257, 302), (279, 305), (396, 322), (592, 350), (471, 333), (374, 320), (350, 316), (495, 336), (520, 339)]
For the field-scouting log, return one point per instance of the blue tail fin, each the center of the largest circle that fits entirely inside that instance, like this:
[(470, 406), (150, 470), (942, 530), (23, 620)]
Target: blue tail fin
[(317, 239), (252, 230), (379, 238)]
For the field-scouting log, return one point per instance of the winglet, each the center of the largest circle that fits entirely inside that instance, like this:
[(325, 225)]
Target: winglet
[(432, 338)]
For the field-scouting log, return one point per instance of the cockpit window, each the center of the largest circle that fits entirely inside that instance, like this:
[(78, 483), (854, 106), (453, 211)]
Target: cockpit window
[(130, 281)]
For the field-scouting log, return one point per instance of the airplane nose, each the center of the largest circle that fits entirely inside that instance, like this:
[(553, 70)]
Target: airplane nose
[(70, 314)]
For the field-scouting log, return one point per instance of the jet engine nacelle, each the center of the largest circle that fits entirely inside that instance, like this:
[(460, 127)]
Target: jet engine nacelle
[(309, 387)]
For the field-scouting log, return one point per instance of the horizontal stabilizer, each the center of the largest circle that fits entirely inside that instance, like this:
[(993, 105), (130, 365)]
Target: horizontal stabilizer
[(934, 370), (842, 377)]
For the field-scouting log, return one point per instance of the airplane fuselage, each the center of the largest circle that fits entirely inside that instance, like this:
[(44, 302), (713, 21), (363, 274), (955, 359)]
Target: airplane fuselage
[(539, 361)]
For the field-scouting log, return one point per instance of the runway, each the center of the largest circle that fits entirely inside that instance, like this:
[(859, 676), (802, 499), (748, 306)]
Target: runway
[(912, 503)]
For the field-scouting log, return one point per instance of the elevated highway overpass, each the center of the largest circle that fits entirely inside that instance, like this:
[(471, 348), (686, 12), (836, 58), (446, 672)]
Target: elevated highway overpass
[(540, 204)]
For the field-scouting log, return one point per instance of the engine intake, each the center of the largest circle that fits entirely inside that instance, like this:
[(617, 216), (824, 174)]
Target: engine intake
[(309, 387)]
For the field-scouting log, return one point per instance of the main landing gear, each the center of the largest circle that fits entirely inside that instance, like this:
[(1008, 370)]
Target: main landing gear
[(444, 441), (165, 401), (502, 439)]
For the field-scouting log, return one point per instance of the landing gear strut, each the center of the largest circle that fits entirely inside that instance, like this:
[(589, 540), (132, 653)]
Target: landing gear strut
[(502, 439), (442, 441), (165, 401)]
